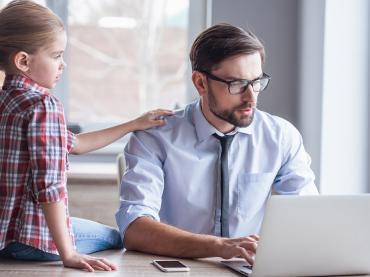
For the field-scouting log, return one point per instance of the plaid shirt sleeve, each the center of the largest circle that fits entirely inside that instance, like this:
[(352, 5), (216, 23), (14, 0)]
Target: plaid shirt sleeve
[(70, 141), (48, 145)]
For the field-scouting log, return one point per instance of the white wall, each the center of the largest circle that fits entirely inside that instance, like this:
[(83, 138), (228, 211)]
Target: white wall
[(315, 50), (311, 52), (200, 12), (345, 97), (275, 23), (334, 91)]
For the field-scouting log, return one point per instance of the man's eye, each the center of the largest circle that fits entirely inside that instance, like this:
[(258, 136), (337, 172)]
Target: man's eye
[(238, 84)]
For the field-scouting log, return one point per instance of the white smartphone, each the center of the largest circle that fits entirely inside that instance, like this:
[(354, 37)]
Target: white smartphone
[(170, 265)]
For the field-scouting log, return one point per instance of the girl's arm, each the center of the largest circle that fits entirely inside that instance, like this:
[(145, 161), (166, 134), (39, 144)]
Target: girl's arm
[(57, 222), (87, 142)]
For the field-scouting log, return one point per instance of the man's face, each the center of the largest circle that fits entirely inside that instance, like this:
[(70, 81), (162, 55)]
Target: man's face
[(224, 110)]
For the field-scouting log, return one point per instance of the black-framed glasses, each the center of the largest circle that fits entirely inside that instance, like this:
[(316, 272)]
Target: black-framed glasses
[(239, 86)]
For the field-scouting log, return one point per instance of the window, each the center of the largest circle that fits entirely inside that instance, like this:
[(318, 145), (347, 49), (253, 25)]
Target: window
[(125, 57)]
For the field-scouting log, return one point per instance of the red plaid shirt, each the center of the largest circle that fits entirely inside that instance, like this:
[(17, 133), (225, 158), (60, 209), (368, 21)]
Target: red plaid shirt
[(34, 144)]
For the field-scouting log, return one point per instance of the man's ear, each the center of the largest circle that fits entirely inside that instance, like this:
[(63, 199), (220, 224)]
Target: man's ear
[(22, 61), (199, 82)]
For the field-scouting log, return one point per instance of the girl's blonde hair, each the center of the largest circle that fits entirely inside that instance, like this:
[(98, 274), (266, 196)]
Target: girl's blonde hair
[(26, 26)]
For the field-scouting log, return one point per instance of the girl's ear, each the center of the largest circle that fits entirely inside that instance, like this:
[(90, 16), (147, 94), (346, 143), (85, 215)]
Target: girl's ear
[(22, 61), (199, 82)]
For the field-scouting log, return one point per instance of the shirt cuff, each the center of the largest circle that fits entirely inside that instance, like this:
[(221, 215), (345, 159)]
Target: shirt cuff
[(126, 215), (71, 140), (50, 194)]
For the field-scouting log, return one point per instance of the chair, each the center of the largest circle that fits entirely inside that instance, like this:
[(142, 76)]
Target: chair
[(121, 164)]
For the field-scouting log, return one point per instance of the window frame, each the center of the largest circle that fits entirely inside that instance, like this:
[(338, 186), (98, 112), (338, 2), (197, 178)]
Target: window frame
[(199, 19)]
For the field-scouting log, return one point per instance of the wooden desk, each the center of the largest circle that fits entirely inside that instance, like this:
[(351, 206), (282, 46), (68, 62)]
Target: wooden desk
[(129, 264)]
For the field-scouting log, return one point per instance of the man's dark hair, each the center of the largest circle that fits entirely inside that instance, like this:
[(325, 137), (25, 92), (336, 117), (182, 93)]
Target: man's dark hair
[(220, 42)]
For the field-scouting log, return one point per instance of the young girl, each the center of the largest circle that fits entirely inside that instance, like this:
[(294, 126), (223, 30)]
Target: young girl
[(34, 143)]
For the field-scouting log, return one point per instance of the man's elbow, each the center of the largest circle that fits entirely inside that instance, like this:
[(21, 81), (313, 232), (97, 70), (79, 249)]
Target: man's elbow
[(129, 239), (134, 235)]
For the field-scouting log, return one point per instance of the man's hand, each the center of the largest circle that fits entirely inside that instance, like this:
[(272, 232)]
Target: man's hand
[(244, 247), (88, 263), (147, 235)]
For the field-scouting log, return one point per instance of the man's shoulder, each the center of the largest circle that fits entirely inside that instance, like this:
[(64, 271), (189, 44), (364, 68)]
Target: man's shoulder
[(177, 130), (180, 118), (273, 122), (179, 122)]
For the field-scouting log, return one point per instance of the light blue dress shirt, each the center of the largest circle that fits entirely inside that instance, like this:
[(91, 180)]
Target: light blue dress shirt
[(173, 172)]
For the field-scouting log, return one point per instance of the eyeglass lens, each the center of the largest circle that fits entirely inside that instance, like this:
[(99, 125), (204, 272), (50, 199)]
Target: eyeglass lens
[(240, 86)]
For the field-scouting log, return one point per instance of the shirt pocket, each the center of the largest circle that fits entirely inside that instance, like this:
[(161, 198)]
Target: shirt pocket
[(253, 190)]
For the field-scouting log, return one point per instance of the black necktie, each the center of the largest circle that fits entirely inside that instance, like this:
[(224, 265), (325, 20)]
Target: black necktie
[(225, 144)]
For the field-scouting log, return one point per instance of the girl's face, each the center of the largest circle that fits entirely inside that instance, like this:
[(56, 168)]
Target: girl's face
[(46, 65)]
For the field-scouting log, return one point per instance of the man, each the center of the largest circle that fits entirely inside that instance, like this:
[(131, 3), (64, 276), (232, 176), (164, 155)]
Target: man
[(197, 187)]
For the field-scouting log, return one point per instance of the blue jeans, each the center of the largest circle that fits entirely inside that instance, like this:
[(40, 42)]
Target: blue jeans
[(90, 237)]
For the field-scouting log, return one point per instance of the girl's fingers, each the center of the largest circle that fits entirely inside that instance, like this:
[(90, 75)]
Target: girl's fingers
[(111, 265), (159, 122), (88, 267), (166, 111), (100, 265), (161, 112)]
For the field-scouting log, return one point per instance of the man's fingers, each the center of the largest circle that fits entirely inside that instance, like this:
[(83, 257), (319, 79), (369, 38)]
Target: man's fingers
[(249, 257), (252, 238), (249, 246), (255, 237)]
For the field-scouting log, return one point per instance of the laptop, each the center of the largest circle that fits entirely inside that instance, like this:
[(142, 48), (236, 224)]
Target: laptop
[(318, 235)]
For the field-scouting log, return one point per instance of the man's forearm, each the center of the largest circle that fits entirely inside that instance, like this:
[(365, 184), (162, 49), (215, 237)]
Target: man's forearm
[(148, 235)]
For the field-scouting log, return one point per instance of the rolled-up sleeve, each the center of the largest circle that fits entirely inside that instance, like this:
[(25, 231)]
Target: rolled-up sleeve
[(143, 182), (46, 138), (295, 175)]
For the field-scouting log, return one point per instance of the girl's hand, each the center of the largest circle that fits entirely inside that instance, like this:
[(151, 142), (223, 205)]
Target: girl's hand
[(88, 263), (151, 119)]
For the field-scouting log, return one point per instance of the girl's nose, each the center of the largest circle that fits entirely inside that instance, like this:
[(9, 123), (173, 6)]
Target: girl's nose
[(63, 64)]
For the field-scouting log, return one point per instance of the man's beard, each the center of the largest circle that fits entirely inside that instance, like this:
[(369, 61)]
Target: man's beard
[(230, 114)]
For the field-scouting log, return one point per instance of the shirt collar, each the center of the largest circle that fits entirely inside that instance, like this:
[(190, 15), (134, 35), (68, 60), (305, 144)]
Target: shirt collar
[(204, 129), (18, 81), (249, 129)]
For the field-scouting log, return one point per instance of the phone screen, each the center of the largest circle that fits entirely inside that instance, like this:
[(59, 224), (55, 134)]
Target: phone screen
[(171, 264)]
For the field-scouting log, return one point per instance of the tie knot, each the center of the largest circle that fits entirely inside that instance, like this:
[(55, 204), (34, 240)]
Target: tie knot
[(224, 140)]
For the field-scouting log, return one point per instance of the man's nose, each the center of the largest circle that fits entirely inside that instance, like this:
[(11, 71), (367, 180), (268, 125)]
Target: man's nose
[(249, 95)]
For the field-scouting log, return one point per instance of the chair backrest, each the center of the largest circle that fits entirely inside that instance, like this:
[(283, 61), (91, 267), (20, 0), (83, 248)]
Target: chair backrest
[(121, 164)]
